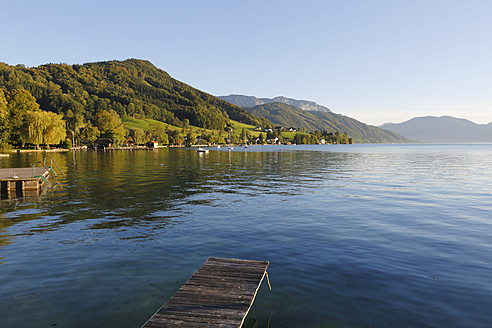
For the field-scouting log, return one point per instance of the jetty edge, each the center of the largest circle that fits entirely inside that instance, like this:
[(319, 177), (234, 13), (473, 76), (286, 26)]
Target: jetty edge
[(28, 181), (22, 181), (219, 294)]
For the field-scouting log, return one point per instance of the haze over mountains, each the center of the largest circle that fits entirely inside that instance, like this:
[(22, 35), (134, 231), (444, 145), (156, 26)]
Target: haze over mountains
[(311, 116), (444, 129), (251, 101), (286, 115)]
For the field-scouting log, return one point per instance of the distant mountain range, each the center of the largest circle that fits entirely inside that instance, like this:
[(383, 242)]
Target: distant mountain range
[(444, 129), (251, 101), (285, 115)]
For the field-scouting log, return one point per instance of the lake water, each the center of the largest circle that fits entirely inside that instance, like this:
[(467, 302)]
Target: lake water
[(356, 235)]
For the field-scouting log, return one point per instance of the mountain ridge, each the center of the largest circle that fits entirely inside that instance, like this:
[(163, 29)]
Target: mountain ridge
[(291, 116), (445, 129), (251, 101)]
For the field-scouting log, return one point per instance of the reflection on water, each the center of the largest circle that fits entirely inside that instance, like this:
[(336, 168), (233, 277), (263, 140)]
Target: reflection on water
[(357, 236)]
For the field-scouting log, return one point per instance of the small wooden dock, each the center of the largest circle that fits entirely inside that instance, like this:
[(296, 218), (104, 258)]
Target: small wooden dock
[(219, 294), (20, 181)]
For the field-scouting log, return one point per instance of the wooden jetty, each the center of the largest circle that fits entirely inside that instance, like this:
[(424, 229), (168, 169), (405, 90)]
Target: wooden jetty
[(219, 294), (20, 181)]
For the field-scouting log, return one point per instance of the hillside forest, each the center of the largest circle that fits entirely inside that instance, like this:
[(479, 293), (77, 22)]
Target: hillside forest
[(68, 105)]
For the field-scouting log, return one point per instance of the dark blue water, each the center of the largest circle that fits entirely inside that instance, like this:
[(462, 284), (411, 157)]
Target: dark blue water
[(357, 235)]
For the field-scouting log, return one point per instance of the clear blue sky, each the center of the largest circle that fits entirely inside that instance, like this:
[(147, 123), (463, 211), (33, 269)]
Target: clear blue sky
[(376, 61)]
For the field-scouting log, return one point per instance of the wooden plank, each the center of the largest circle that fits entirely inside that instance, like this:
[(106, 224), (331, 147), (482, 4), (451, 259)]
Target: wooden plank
[(219, 294), (200, 311), (230, 268), (191, 317), (20, 181), (22, 173)]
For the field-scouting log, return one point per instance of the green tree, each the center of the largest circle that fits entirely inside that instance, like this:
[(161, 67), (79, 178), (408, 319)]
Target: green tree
[(158, 133), (138, 136), (110, 126), (3, 103), (190, 139), (4, 121), (206, 138), (243, 135), (55, 131), (89, 134), (42, 127), (19, 101), (163, 139), (248, 135), (343, 139), (34, 126), (75, 122), (261, 138), (312, 140), (186, 125), (172, 135)]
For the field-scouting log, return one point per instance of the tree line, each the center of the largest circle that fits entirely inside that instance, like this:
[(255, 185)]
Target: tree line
[(22, 121), (60, 104), (130, 88)]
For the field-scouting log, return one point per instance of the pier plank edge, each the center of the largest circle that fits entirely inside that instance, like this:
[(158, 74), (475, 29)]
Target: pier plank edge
[(219, 294)]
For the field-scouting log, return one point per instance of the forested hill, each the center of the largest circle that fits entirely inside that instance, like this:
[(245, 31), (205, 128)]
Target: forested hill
[(291, 116), (132, 87)]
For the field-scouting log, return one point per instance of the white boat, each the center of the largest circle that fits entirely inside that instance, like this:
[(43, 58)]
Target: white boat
[(202, 150)]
